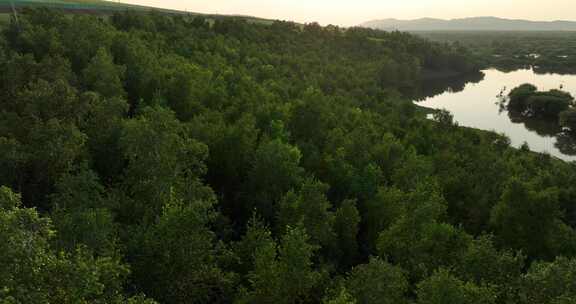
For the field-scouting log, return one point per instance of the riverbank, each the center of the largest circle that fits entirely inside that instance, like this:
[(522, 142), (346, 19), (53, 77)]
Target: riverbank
[(476, 105)]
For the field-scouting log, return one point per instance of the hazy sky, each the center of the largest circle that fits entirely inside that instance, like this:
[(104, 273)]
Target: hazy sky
[(353, 12)]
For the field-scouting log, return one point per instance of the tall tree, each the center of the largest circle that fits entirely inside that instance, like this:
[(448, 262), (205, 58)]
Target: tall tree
[(185, 254), (549, 282), (283, 274), (103, 76), (420, 241), (275, 171), (378, 282), (32, 272), (162, 160), (443, 287), (530, 220), (309, 207), (347, 228)]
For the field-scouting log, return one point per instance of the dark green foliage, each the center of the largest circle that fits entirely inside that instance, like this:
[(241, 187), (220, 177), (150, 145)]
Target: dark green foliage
[(103, 76), (519, 96), (444, 118), (33, 272), (530, 220), (275, 171), (543, 51), (482, 263), (442, 287), (283, 274), (377, 282), (103, 127), (216, 160), (381, 212), (568, 119), (346, 226), (185, 254), (553, 282), (82, 216), (161, 161), (548, 106), (341, 297), (418, 240), (309, 207), (529, 102)]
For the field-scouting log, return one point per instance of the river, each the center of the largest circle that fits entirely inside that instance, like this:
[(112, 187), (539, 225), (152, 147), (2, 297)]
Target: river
[(474, 102)]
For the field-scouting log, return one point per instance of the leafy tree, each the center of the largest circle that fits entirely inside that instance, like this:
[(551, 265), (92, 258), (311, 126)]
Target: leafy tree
[(274, 172), (443, 287), (381, 212), (23, 72), (568, 119), (36, 39), (103, 127), (529, 220), (519, 96), (419, 241), (309, 121), (185, 85), (342, 297), (162, 160), (347, 228), (549, 282), (54, 149), (528, 101), (378, 282), (103, 76), (83, 39), (483, 264), (444, 118), (184, 251), (415, 170), (32, 272), (310, 207), (143, 69), (548, 105), (81, 215), (172, 143), (232, 147), (283, 274), (257, 236)]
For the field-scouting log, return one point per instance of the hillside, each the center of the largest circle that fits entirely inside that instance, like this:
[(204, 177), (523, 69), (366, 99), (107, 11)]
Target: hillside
[(101, 7), (77, 5), (470, 24), (161, 158)]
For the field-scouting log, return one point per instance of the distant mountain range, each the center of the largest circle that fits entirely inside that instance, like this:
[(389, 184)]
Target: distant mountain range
[(470, 24)]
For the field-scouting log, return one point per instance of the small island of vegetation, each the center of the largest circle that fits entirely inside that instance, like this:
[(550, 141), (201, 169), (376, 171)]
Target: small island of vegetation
[(527, 101)]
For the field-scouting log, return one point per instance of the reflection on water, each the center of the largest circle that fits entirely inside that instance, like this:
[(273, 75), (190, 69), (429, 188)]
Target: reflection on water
[(566, 143), (542, 127), (433, 87), (474, 102)]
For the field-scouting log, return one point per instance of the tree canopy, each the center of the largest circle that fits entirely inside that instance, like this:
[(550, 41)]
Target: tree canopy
[(155, 158)]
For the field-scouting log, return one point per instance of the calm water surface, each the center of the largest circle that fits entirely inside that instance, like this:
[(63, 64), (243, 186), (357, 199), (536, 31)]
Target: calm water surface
[(476, 104)]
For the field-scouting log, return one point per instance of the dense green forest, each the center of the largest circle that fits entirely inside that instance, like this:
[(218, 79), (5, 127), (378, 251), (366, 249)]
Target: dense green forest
[(148, 158), (547, 52)]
